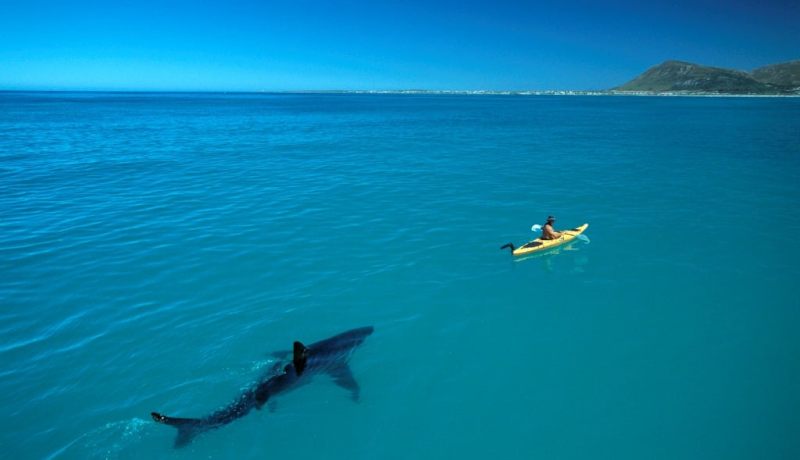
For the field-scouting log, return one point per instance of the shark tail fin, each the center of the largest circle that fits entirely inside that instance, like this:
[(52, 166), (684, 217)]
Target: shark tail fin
[(300, 357), (187, 428)]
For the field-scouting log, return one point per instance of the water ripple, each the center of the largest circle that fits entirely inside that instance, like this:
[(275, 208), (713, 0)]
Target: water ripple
[(154, 249)]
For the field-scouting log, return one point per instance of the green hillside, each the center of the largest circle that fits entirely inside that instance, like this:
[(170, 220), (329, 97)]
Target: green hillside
[(685, 76), (785, 74)]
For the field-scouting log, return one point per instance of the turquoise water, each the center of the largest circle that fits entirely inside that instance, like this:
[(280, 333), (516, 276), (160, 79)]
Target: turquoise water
[(155, 248)]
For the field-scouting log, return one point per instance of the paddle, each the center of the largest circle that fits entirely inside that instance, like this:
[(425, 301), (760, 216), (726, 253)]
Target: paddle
[(582, 237), (534, 228)]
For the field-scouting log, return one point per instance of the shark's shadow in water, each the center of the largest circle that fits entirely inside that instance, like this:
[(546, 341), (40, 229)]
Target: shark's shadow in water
[(329, 356)]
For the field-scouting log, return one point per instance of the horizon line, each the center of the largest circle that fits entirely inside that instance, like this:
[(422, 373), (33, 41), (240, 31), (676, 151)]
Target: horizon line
[(411, 92), (261, 91)]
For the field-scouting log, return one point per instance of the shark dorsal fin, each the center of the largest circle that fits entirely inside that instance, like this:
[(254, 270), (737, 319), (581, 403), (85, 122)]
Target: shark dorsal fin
[(300, 357)]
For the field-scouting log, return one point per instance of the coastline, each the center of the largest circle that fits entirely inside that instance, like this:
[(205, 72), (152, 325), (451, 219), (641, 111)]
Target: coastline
[(560, 93), (428, 92)]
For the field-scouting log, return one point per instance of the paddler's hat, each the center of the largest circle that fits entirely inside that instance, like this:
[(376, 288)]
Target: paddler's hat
[(551, 219)]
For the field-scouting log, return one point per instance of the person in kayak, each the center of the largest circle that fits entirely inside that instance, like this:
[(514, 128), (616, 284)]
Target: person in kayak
[(548, 233)]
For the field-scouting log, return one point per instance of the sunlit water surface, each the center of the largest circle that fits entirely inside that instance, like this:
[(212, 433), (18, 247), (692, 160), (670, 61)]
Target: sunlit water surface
[(156, 248)]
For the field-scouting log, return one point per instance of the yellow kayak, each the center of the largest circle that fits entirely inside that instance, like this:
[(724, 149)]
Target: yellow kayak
[(539, 245)]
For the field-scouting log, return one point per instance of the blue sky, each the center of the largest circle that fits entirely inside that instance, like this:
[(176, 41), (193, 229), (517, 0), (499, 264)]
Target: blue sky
[(316, 44)]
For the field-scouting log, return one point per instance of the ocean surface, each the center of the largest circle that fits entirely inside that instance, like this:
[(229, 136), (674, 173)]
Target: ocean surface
[(155, 249)]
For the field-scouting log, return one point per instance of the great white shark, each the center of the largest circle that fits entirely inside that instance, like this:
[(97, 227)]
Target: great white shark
[(329, 356)]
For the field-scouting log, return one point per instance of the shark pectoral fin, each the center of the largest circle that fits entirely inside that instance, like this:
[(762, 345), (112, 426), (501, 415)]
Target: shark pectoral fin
[(343, 376), (300, 357)]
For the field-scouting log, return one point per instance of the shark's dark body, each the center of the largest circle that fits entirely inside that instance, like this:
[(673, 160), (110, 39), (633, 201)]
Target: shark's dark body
[(327, 356)]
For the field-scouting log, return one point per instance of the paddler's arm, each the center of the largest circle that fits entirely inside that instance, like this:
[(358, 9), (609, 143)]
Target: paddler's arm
[(550, 233)]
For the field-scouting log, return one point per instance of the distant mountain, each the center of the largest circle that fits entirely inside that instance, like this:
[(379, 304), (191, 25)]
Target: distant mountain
[(678, 76), (786, 74)]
